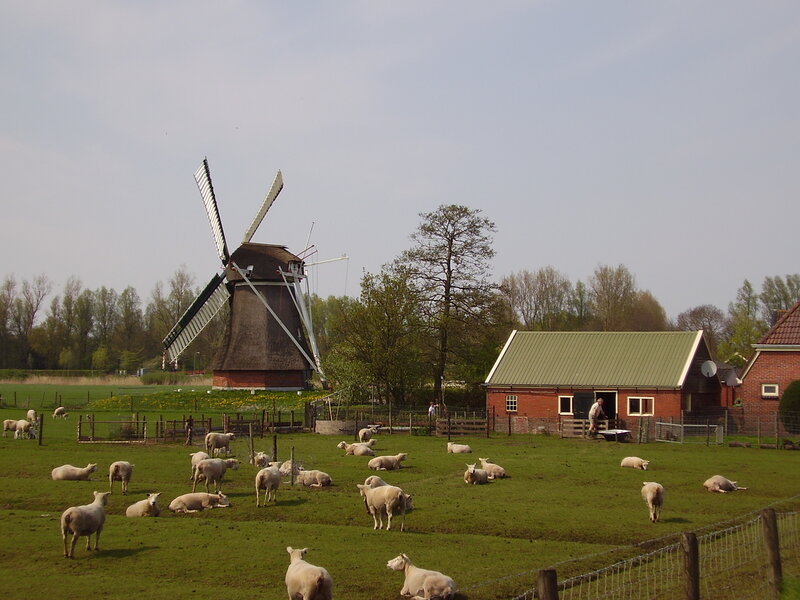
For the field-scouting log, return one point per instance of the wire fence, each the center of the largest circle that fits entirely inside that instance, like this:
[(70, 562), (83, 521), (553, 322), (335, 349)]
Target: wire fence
[(730, 560)]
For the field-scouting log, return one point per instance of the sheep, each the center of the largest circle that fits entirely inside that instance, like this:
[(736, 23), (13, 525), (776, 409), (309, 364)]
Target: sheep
[(422, 584), (24, 429), (267, 479), (197, 501), (70, 473), (356, 449), (454, 448), (9, 425), (260, 459), (634, 462), (721, 484), (305, 581), (475, 476), (31, 415), (653, 494), (494, 471), (385, 500), (196, 458), (213, 470), (84, 520), (120, 471), (286, 467), (60, 412), (215, 442), (374, 481), (365, 434), (387, 463), (313, 478), (145, 508)]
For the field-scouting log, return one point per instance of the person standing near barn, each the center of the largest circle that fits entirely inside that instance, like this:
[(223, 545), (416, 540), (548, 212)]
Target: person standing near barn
[(596, 413)]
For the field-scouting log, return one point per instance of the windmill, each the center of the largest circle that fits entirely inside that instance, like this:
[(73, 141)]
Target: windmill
[(268, 332)]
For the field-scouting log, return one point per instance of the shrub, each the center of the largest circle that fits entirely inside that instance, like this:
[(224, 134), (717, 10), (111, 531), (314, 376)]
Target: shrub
[(164, 378), (789, 408)]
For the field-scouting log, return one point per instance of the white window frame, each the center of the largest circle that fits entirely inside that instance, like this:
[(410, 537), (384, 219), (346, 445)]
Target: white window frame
[(765, 393), (512, 399), (571, 407), (648, 413)]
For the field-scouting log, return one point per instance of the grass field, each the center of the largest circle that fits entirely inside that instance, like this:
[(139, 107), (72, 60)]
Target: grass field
[(565, 499)]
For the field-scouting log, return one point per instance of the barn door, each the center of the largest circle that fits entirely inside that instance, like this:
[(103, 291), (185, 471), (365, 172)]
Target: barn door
[(581, 403)]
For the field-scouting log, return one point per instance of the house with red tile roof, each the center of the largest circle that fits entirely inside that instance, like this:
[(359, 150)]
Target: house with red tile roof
[(775, 364)]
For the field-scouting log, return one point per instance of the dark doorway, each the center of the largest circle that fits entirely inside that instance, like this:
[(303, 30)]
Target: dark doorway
[(581, 403), (609, 403)]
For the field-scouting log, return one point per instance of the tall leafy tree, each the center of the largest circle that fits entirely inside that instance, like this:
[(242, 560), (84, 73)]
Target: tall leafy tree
[(540, 300), (745, 326), (778, 294), (449, 267), (647, 314), (612, 294)]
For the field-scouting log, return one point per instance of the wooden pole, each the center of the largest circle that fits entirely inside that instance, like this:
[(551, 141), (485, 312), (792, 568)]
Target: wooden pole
[(291, 467), (274, 447), (250, 442), (691, 567), (772, 545), (40, 427), (547, 584), (80, 422)]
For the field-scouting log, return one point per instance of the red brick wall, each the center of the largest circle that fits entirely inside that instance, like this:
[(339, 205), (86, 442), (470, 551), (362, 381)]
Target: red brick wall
[(781, 367), (259, 379)]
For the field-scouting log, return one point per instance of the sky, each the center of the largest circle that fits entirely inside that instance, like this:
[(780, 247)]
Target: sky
[(662, 136)]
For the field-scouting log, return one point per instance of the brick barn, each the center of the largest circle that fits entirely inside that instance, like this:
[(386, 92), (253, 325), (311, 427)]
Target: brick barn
[(775, 364), (549, 374)]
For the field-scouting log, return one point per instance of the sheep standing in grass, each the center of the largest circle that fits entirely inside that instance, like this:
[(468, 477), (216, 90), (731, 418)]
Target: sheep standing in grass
[(634, 462), (721, 484), (365, 434), (145, 508), (653, 494), (269, 480), (31, 415), (475, 476), (494, 471), (24, 430), (422, 584), (212, 470), (216, 442), (374, 481), (454, 448), (288, 466), (196, 458), (120, 471), (313, 478), (9, 425), (260, 459), (385, 500), (356, 449), (84, 520), (70, 473), (197, 501), (305, 581), (387, 463), (60, 412)]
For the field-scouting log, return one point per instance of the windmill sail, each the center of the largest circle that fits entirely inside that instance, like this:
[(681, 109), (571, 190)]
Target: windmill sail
[(203, 178), (196, 317), (277, 186)]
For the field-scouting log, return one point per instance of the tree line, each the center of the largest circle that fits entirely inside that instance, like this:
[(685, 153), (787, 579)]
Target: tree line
[(434, 314)]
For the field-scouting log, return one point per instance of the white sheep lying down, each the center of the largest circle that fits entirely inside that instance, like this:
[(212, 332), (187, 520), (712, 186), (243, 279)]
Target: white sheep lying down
[(215, 442), (385, 500), (145, 508), (212, 470), (475, 476), (120, 471), (422, 584), (305, 581), (84, 520), (495, 471), (374, 481), (269, 480), (387, 463), (70, 473), (454, 448), (634, 462), (721, 484), (366, 433), (356, 449), (653, 494), (197, 501), (313, 478)]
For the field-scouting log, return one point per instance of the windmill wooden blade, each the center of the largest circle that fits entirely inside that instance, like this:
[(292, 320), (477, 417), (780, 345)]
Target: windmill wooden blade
[(277, 186), (196, 317), (203, 178)]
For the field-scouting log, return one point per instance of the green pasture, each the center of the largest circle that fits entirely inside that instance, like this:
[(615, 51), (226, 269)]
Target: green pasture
[(565, 499)]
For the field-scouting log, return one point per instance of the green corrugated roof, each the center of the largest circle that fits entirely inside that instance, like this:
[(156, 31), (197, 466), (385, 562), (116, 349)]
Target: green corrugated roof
[(595, 359)]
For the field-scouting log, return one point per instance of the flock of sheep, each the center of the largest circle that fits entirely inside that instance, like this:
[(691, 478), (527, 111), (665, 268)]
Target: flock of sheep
[(304, 581), (653, 493)]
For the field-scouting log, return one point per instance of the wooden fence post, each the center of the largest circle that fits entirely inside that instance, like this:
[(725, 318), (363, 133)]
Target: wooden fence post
[(250, 441), (291, 467), (40, 427), (274, 447), (772, 544), (80, 422), (547, 585), (691, 567)]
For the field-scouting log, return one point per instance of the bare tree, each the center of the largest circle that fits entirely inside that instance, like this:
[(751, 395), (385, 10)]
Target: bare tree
[(539, 300), (612, 292), (707, 317), (25, 310)]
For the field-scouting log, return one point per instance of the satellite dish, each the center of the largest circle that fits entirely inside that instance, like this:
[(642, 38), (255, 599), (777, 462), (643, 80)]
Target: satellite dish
[(709, 368)]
